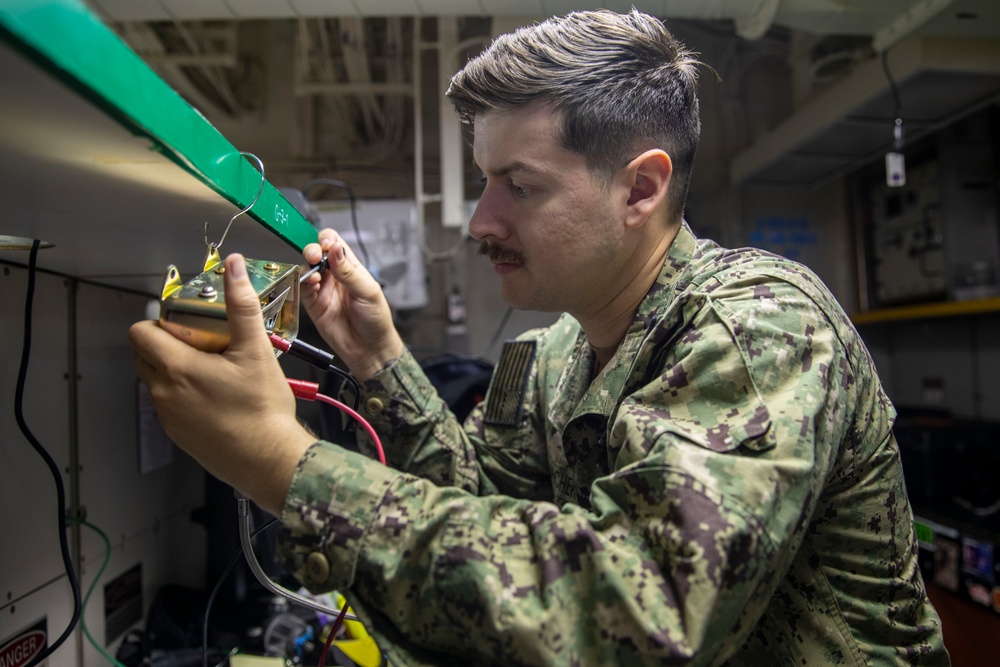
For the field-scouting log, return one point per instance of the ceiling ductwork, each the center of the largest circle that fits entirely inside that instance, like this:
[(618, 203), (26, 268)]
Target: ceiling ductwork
[(849, 123), (888, 21), (841, 123)]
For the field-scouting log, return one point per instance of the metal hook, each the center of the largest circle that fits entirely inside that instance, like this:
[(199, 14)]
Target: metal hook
[(260, 189)]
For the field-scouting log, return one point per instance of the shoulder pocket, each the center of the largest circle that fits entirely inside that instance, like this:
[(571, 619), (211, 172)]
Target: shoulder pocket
[(704, 392)]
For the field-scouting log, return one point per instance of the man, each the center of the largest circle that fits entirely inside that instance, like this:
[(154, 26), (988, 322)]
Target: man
[(694, 465)]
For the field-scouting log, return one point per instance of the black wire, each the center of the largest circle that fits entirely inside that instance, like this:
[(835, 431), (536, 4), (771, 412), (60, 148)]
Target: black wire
[(354, 209), (355, 389), (897, 142), (892, 83), (218, 587), (53, 468)]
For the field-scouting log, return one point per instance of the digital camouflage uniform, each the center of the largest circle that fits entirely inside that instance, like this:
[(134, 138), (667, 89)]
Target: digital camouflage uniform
[(727, 491)]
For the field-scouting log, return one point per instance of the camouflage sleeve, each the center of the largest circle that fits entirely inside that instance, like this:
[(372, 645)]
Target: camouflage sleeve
[(421, 436), (721, 457)]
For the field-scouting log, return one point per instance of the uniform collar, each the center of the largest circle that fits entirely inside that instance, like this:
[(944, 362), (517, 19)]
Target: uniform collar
[(603, 394)]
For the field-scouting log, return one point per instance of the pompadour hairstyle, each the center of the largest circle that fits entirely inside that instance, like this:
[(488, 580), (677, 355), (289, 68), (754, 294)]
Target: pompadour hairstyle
[(622, 82)]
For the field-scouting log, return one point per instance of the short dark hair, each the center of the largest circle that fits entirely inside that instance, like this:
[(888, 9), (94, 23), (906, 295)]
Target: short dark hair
[(622, 82)]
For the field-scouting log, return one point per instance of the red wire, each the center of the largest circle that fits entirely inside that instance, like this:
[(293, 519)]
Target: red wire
[(334, 629), (359, 419), (305, 391)]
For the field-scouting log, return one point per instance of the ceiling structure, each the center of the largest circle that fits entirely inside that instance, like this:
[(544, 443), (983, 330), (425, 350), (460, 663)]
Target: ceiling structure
[(361, 78), (119, 210), (884, 20)]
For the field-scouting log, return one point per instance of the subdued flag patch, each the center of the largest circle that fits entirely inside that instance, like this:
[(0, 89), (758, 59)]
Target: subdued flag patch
[(506, 395)]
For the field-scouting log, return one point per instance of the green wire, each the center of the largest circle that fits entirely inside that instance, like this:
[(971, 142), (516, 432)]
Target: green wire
[(83, 614)]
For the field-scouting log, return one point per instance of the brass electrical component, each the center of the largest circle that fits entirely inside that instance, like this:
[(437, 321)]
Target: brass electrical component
[(195, 311)]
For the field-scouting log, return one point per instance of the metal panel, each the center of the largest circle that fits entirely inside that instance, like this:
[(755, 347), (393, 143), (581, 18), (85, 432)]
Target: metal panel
[(54, 603), (147, 517), (116, 496), (172, 554)]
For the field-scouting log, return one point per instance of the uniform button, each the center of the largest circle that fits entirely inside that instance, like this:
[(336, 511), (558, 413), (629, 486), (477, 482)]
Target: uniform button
[(317, 567), (374, 406)]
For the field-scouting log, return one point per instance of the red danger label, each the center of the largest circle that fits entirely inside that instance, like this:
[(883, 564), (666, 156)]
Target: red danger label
[(20, 650)]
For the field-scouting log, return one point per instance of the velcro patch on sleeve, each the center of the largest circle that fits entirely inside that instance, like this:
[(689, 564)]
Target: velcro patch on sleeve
[(510, 379)]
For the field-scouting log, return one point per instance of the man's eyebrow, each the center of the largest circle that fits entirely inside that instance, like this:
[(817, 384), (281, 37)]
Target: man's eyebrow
[(516, 166)]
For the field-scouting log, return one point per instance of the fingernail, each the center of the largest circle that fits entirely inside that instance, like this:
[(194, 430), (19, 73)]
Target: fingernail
[(237, 268)]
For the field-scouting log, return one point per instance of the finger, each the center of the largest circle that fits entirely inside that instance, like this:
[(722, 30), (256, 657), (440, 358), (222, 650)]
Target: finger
[(154, 345), (312, 253), (327, 237), (143, 368), (246, 325), (349, 271)]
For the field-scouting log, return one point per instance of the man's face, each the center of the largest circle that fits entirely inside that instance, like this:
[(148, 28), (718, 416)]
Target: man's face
[(551, 229)]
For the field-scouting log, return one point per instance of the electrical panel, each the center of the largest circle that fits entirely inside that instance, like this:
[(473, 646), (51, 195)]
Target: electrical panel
[(938, 236), (908, 238)]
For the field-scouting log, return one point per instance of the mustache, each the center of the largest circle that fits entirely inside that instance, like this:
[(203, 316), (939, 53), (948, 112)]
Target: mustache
[(498, 253)]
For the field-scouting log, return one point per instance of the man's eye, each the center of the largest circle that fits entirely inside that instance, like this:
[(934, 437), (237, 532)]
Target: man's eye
[(519, 190), (481, 181)]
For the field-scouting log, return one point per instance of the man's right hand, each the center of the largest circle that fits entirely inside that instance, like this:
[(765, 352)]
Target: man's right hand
[(349, 309)]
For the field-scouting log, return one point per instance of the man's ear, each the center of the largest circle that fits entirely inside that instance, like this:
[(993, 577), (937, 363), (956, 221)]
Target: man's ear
[(649, 176)]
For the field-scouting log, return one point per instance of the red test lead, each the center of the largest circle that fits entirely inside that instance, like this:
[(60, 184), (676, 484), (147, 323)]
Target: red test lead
[(309, 391), (304, 351), (304, 389)]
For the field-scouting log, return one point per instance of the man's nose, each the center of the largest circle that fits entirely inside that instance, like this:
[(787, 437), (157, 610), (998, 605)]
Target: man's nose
[(486, 219)]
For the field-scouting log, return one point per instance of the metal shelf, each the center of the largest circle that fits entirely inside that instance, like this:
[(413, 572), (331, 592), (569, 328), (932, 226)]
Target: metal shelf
[(99, 156), (928, 311)]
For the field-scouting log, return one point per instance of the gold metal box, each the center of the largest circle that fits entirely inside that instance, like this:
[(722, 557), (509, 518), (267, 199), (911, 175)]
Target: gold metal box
[(195, 311)]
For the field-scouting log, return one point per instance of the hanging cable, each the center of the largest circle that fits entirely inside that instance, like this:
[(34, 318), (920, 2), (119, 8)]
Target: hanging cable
[(895, 164), (53, 468), (218, 586), (90, 589), (354, 210), (897, 100), (308, 391), (243, 511)]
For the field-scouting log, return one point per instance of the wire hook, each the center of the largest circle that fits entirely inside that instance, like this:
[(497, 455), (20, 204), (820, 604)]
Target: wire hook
[(260, 189)]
